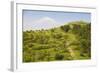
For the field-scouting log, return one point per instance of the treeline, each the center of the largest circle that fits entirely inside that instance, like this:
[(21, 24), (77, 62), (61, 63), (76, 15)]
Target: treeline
[(71, 41)]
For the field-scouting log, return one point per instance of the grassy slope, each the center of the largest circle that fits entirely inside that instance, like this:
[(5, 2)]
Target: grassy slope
[(68, 42)]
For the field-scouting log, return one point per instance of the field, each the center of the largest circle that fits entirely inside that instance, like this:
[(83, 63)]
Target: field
[(71, 41)]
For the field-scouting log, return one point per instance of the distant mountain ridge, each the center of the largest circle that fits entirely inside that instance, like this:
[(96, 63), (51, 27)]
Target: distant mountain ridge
[(42, 23)]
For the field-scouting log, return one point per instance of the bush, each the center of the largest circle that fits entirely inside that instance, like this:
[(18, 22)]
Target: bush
[(59, 57)]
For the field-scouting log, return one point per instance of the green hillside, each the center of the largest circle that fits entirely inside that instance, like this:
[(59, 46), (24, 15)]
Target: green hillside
[(71, 41)]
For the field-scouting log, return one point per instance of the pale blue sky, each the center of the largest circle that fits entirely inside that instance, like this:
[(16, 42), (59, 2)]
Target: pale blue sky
[(60, 17)]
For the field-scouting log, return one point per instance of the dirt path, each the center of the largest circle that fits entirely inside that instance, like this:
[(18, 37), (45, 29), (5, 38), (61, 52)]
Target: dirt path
[(72, 53)]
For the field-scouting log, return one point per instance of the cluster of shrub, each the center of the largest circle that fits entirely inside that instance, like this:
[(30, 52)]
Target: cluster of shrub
[(71, 41)]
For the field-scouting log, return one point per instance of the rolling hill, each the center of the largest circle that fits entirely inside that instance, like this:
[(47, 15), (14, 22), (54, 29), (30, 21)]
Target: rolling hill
[(70, 41)]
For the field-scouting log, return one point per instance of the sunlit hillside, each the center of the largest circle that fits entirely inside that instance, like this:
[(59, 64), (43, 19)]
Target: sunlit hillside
[(71, 41)]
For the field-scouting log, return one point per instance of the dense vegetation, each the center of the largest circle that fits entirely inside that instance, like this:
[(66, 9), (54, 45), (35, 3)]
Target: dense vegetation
[(71, 41)]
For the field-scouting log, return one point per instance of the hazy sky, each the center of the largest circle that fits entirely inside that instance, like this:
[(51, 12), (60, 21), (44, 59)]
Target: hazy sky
[(29, 16)]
